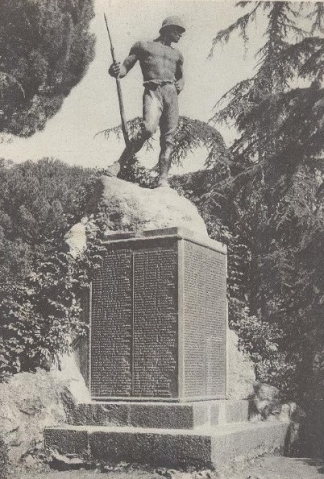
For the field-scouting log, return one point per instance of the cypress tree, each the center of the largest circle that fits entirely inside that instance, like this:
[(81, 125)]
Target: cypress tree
[(276, 183)]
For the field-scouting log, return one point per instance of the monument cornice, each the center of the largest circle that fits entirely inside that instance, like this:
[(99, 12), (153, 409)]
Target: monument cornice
[(165, 233)]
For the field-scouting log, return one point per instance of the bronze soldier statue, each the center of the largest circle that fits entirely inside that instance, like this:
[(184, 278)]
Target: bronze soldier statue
[(162, 69)]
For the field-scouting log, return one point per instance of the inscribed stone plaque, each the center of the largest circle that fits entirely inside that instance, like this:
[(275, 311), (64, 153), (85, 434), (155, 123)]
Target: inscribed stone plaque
[(111, 325), (141, 300), (155, 322), (204, 322)]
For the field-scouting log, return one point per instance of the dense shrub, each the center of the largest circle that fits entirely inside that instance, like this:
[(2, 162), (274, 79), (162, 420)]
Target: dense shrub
[(3, 459), (40, 282)]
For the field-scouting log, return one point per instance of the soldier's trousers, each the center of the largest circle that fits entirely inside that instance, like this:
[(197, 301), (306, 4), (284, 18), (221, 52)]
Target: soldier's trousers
[(160, 108)]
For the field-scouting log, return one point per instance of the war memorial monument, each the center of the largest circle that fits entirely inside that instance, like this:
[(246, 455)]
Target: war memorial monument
[(156, 359)]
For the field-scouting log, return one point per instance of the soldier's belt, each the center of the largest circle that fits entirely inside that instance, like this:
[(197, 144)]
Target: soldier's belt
[(156, 83)]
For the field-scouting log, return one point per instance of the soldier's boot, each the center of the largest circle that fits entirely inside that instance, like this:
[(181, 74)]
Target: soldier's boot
[(119, 166), (164, 166), (127, 157)]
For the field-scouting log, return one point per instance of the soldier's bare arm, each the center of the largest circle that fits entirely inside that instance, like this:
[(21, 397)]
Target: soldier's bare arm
[(120, 70), (179, 74)]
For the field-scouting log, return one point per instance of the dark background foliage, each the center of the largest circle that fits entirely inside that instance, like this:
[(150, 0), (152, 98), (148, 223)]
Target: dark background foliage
[(40, 284), (45, 49)]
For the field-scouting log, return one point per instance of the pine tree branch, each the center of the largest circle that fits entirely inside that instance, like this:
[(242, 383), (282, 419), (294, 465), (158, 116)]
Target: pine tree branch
[(190, 134), (317, 16), (241, 24), (238, 91)]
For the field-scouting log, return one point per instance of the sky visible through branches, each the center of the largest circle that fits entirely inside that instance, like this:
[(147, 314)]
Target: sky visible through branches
[(92, 106)]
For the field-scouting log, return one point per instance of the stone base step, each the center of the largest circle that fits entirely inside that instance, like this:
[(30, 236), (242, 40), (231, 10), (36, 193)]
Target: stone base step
[(202, 447), (160, 415)]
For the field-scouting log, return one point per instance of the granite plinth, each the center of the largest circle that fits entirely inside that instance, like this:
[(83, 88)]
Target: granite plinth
[(160, 415), (158, 318), (204, 447)]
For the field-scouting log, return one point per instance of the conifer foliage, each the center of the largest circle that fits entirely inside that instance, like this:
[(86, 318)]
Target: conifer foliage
[(190, 134), (45, 49), (275, 188)]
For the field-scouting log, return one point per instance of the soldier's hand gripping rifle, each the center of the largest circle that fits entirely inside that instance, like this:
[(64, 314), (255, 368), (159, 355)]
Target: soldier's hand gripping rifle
[(119, 91)]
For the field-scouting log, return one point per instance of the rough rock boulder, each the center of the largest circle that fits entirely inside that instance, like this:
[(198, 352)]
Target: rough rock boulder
[(120, 206), (29, 402)]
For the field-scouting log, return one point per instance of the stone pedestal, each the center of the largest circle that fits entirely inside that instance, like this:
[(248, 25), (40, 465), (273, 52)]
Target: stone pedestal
[(157, 361), (158, 319), (205, 434)]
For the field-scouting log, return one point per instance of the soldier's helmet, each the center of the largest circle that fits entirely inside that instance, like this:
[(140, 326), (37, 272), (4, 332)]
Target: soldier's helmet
[(172, 22)]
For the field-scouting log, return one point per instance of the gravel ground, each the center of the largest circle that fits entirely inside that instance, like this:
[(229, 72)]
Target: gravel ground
[(271, 467)]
